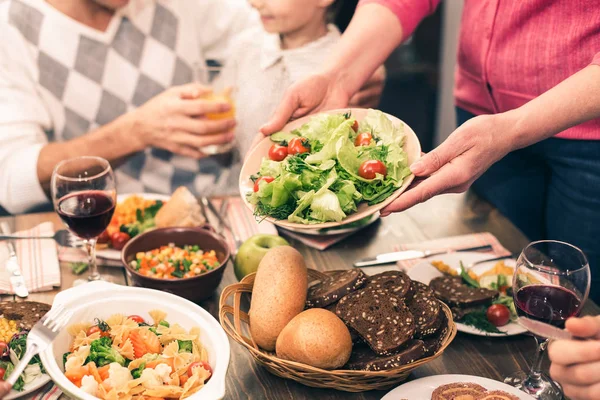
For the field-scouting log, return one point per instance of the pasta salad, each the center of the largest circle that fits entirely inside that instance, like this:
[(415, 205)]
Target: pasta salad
[(124, 357)]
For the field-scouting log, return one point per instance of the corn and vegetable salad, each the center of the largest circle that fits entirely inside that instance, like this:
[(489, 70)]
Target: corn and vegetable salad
[(172, 262), (8, 328)]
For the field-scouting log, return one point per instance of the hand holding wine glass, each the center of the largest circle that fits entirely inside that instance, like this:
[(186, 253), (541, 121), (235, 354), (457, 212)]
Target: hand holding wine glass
[(84, 196), (575, 362), (551, 284)]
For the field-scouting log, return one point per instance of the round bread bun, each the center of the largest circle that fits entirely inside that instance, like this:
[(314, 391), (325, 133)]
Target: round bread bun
[(316, 337)]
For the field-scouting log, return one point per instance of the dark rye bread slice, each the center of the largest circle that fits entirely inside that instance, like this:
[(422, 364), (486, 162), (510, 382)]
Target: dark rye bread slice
[(339, 284), (452, 291), (433, 342), (497, 395), (381, 319), (365, 359), (25, 313), (456, 391), (395, 282), (426, 309)]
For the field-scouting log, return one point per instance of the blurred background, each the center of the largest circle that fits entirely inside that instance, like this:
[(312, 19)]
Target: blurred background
[(420, 74)]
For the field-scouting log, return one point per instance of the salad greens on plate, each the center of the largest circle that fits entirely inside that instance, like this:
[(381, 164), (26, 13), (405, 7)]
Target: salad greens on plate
[(321, 171), (13, 352)]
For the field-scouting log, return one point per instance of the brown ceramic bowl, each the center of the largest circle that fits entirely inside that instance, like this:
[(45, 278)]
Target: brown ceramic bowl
[(197, 288)]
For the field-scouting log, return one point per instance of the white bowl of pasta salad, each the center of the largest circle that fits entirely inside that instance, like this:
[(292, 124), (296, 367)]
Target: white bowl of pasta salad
[(135, 343)]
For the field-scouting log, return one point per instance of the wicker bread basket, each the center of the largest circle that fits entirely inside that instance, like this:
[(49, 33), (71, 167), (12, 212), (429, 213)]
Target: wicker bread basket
[(233, 314)]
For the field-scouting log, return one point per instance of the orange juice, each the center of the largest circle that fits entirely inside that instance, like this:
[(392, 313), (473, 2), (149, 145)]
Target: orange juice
[(224, 97)]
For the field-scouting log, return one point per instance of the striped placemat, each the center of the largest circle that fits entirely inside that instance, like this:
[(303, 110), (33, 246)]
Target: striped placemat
[(49, 392), (37, 258)]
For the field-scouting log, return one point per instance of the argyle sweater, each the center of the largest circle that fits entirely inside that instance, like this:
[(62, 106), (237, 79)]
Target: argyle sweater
[(60, 79)]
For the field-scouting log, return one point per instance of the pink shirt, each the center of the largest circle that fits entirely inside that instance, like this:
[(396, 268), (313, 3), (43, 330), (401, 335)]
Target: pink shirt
[(514, 50)]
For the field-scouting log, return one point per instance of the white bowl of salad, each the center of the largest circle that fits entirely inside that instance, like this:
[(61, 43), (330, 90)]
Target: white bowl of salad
[(129, 341), (329, 169)]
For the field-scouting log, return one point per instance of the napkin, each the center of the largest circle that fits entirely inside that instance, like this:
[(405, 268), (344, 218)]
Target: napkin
[(48, 392), (316, 242), (37, 258), (453, 242)]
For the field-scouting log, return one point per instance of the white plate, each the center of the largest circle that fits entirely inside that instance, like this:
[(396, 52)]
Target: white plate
[(425, 272), (112, 254), (28, 388), (422, 389), (102, 299), (333, 231)]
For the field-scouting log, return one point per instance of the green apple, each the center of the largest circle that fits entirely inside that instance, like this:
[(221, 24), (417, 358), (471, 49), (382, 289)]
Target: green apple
[(252, 251)]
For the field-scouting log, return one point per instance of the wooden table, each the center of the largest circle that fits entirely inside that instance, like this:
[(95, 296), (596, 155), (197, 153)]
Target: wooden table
[(443, 216)]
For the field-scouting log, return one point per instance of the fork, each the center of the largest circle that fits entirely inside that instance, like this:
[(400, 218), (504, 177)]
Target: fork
[(40, 337), (63, 237)]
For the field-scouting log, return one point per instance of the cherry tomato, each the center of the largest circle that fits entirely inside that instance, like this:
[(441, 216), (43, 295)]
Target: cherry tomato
[(498, 314), (297, 146), (267, 179), (119, 239), (278, 152), (3, 349), (137, 319), (104, 237), (369, 168), (355, 126), (363, 139), (93, 329), (2, 372), (202, 364)]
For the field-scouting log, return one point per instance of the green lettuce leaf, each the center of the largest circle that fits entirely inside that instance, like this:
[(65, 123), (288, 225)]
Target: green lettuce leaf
[(348, 196), (328, 152), (271, 168), (321, 127), (382, 128), (303, 204), (325, 207)]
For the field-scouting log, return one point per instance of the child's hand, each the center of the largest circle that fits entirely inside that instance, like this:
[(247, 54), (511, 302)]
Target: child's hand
[(370, 94), (575, 363)]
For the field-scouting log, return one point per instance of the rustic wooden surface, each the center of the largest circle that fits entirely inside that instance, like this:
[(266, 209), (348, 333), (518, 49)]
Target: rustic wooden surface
[(443, 216)]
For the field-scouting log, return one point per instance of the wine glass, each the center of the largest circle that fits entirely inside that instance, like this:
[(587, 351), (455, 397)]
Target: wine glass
[(84, 196), (221, 79), (551, 284)]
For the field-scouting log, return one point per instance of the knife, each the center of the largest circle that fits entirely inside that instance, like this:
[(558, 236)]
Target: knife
[(389, 258), (12, 266)]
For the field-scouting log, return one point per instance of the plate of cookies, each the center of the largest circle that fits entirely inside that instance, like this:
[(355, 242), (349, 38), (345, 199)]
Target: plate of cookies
[(442, 387)]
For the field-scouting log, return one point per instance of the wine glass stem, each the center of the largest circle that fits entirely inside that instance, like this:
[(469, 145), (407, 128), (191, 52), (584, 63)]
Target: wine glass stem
[(535, 374), (90, 246)]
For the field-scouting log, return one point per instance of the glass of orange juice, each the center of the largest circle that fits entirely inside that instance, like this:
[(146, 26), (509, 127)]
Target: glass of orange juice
[(220, 78)]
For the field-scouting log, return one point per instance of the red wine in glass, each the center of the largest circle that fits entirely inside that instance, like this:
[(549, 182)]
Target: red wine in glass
[(86, 213), (547, 303)]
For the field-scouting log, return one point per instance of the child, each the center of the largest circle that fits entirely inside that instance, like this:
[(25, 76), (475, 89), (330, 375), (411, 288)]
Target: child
[(298, 37)]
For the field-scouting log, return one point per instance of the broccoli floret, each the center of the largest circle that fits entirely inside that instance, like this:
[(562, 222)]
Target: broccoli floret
[(136, 373), (185, 346), (102, 353)]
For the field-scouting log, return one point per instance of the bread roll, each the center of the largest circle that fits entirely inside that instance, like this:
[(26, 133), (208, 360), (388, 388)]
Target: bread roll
[(278, 295), (316, 337), (182, 210)]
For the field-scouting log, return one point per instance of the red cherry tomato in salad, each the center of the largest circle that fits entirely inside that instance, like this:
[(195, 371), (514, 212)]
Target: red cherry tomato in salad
[(363, 139), (137, 319), (498, 314), (202, 364), (104, 237), (93, 329), (267, 179), (2, 372), (297, 146), (119, 239), (370, 168), (278, 152), (355, 126), (3, 349)]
